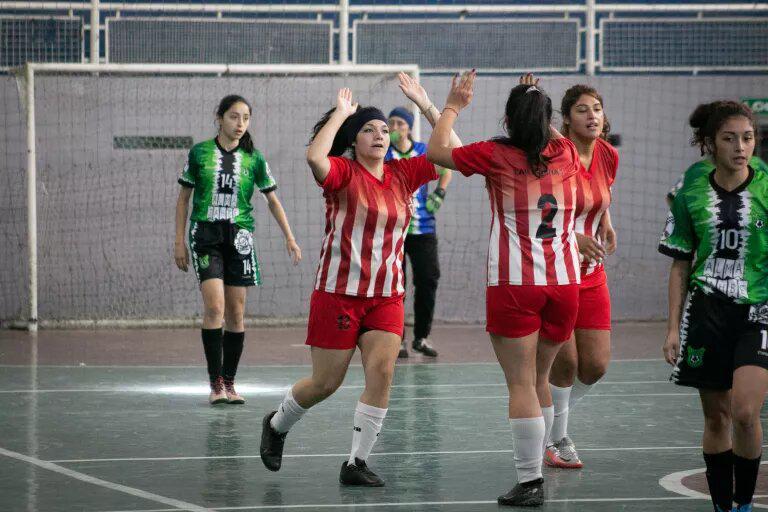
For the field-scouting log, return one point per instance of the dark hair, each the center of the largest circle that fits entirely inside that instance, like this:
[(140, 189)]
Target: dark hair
[(708, 118), (570, 98), (341, 143), (246, 143), (528, 117)]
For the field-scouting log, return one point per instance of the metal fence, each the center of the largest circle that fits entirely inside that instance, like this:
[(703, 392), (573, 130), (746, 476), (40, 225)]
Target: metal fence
[(586, 38)]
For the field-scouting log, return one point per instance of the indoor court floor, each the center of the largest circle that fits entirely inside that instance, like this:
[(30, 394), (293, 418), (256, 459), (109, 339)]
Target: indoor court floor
[(118, 420)]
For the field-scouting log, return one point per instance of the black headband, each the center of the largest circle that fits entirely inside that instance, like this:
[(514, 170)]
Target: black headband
[(359, 119)]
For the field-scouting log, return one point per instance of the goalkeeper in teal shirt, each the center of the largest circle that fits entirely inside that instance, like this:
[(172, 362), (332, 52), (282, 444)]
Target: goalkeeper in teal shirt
[(421, 241)]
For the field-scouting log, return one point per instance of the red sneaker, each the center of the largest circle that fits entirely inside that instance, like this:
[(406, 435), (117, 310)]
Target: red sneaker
[(217, 396), (562, 454), (232, 396)]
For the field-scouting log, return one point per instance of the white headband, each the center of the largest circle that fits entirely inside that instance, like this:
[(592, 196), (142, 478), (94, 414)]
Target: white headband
[(531, 89)]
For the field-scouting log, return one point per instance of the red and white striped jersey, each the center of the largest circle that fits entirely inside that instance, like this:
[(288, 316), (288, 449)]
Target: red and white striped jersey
[(366, 221), (593, 194), (532, 241)]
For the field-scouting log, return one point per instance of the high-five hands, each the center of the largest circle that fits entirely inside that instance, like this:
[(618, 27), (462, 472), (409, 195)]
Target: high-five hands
[(344, 104), (529, 79), (462, 90), (414, 91)]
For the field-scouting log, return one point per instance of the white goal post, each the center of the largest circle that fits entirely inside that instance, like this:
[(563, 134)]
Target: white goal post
[(25, 77)]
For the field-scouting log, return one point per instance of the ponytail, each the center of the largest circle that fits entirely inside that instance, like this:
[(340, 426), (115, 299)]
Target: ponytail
[(340, 145), (246, 143), (528, 115)]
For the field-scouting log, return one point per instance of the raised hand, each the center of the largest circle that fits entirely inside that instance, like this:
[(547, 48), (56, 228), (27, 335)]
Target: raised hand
[(462, 90), (344, 104), (413, 91), (528, 79)]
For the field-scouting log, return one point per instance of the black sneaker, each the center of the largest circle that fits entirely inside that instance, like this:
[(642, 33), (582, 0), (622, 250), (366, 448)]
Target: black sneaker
[(359, 474), (272, 442), (529, 494), (403, 354), (422, 345)]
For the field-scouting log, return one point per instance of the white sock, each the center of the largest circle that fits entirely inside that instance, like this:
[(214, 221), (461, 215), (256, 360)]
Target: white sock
[(287, 414), (549, 418), (368, 421), (577, 392), (560, 397), (527, 441)]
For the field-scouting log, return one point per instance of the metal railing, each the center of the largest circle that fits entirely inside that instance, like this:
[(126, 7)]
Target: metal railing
[(591, 15)]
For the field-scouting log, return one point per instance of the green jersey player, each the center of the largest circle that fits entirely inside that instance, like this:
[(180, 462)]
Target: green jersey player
[(705, 166), (223, 173), (717, 233)]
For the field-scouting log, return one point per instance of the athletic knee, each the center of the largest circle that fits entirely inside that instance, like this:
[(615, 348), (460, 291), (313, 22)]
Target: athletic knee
[(382, 372), (744, 416), (565, 364), (717, 421), (214, 311), (592, 372), (233, 315), (326, 387)]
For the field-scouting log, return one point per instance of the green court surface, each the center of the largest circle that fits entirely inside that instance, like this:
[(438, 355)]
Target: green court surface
[(143, 438)]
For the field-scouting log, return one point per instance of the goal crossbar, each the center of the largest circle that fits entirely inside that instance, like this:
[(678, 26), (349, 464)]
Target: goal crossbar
[(25, 76)]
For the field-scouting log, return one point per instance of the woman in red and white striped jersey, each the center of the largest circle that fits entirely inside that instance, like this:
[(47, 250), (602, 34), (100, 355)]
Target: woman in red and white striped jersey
[(584, 359), (533, 261), (358, 296)]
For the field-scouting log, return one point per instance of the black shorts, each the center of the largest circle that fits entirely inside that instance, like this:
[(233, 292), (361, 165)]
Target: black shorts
[(221, 250), (716, 338)]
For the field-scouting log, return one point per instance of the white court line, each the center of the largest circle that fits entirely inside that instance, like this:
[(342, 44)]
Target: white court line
[(593, 395), (397, 399), (381, 454), (423, 504), (674, 483), (103, 483), (354, 365), (204, 389)]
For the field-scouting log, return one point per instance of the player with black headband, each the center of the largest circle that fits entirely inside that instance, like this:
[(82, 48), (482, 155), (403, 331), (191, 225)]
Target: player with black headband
[(358, 295)]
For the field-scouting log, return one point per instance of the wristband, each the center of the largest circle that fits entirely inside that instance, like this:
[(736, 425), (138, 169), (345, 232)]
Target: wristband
[(451, 108)]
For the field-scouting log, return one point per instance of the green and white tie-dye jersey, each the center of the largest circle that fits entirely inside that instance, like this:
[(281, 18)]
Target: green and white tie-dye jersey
[(724, 233), (224, 182), (706, 165)]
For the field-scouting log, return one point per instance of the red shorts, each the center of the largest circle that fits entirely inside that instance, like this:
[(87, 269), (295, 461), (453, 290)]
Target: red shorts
[(336, 320), (514, 311), (594, 302)]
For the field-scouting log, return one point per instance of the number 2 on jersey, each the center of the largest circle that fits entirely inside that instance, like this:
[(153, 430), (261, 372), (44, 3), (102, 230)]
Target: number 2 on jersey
[(548, 206)]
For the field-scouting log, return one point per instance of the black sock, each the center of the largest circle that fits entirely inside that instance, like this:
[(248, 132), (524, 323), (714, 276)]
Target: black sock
[(533, 482), (212, 348), (720, 478), (745, 472), (233, 348)]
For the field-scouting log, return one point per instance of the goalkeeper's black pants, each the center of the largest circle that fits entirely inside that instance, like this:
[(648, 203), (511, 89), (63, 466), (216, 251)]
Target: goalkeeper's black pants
[(421, 251)]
